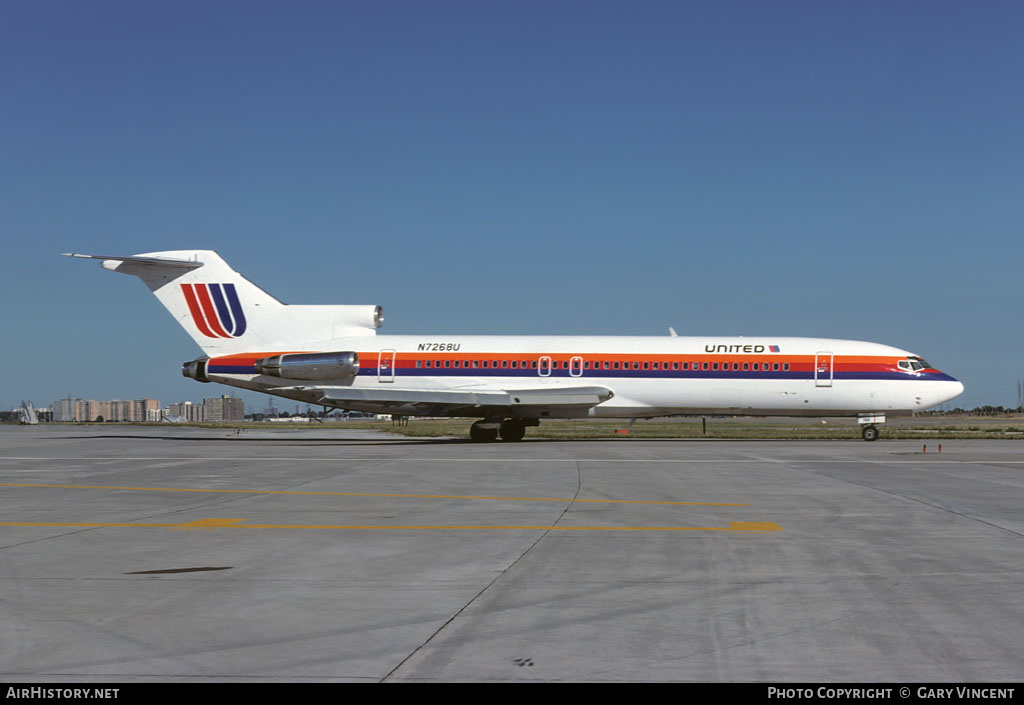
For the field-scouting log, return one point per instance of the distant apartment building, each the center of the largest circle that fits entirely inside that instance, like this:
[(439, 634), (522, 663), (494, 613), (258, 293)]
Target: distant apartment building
[(187, 411), (224, 408), (64, 409), (217, 409), (90, 410), (137, 410)]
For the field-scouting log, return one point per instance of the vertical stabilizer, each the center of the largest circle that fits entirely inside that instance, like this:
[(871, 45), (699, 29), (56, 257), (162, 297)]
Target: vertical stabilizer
[(226, 313)]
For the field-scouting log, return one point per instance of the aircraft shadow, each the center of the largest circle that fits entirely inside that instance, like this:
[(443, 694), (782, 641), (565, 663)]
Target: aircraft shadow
[(407, 441)]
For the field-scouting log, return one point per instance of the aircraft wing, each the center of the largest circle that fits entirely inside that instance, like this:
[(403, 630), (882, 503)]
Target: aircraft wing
[(476, 400)]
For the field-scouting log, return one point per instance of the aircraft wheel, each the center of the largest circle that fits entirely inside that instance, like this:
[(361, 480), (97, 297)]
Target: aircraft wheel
[(513, 430), (870, 433), (482, 435)]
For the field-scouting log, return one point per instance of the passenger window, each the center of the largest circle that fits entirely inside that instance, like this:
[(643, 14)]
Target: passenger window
[(785, 366), (746, 366), (455, 364), (419, 363), (515, 364), (504, 364), (675, 365), (775, 367), (647, 365), (447, 363), (705, 366), (654, 365), (757, 366)]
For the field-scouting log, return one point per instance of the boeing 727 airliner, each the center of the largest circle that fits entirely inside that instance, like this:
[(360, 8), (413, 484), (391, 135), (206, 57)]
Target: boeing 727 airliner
[(332, 356)]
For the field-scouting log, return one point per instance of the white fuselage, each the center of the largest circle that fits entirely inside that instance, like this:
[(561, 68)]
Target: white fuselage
[(649, 376)]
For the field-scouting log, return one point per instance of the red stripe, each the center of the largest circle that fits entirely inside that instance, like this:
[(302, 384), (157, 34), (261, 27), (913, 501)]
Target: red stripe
[(197, 315), (210, 310)]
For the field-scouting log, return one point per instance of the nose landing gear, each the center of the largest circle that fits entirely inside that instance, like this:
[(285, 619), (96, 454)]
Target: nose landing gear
[(868, 429)]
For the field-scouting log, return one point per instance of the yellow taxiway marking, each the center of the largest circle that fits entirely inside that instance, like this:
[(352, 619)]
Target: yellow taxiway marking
[(207, 524), (219, 523), (377, 494)]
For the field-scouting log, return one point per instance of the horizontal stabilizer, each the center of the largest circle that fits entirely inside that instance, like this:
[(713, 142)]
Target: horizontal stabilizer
[(153, 261)]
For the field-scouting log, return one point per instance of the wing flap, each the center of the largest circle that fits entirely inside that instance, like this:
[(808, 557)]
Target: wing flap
[(566, 396), (447, 400)]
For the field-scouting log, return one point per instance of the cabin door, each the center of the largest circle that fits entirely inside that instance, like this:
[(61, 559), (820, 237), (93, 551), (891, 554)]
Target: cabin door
[(544, 366), (823, 369), (386, 366)]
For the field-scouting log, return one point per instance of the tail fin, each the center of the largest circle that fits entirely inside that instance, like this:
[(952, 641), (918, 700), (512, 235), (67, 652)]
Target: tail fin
[(226, 313)]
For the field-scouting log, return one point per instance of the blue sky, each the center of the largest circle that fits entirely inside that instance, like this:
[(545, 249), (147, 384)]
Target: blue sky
[(849, 170)]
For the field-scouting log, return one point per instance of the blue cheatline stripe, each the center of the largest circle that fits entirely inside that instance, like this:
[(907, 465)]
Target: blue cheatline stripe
[(654, 374), (618, 374)]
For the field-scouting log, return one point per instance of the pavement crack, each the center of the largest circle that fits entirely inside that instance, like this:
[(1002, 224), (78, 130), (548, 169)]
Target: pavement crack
[(494, 581)]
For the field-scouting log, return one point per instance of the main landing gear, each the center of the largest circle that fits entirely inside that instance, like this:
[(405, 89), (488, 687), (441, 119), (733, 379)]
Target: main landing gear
[(867, 421), (487, 430)]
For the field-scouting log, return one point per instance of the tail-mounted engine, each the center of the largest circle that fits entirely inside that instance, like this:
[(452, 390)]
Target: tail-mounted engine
[(196, 369), (310, 366)]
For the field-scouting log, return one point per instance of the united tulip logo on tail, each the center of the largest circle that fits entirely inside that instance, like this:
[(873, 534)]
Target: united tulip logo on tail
[(216, 309)]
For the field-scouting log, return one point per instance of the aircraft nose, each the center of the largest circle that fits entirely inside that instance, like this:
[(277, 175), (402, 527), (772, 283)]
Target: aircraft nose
[(953, 389)]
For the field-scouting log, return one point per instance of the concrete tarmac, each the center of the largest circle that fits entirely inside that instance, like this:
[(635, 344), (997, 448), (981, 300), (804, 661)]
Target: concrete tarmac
[(179, 554)]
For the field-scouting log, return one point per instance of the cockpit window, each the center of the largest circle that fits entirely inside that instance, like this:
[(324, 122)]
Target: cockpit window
[(918, 363), (904, 364)]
